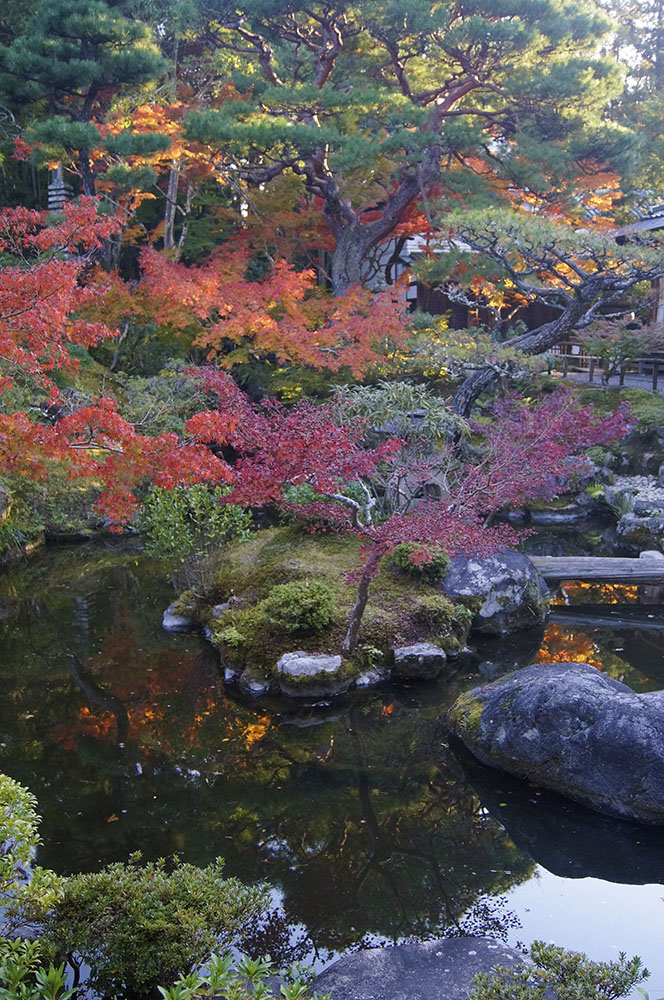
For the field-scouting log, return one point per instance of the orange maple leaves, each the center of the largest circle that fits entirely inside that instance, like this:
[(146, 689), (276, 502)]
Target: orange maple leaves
[(285, 315)]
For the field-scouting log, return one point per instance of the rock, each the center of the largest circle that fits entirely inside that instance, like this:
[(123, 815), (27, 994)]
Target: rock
[(651, 554), (641, 532), (253, 682), (421, 660), (559, 515), (370, 676), (514, 592), (431, 970), (570, 728), (313, 675), (179, 622)]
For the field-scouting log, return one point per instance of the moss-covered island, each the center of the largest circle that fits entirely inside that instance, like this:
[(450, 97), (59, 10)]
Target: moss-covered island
[(284, 589)]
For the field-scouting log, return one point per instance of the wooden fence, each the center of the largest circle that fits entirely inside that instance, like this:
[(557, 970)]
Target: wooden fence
[(573, 357)]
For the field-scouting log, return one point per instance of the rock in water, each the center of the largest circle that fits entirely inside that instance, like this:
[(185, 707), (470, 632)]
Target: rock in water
[(432, 970), (421, 660), (173, 621), (313, 675), (569, 727), (515, 594)]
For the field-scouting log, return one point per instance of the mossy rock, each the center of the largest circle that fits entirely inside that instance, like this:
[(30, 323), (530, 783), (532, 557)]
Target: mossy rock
[(402, 609)]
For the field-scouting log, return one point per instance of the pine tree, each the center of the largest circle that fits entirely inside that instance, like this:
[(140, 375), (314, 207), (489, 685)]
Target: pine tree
[(374, 105), (69, 59)]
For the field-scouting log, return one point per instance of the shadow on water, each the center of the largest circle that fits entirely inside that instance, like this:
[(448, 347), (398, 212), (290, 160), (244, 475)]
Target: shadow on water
[(565, 838)]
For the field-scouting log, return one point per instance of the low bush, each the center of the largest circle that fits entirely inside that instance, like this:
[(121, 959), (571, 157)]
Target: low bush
[(299, 606), (138, 925), (566, 975), (426, 563)]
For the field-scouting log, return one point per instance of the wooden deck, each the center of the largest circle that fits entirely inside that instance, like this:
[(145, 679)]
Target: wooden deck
[(554, 569)]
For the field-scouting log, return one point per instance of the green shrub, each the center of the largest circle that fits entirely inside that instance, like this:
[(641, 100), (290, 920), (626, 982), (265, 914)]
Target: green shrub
[(416, 560), (138, 925), (566, 975), (183, 521), (20, 882), (299, 606), (24, 976), (246, 979)]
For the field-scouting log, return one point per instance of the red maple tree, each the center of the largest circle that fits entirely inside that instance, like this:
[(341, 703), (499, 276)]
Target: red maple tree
[(43, 297), (528, 452)]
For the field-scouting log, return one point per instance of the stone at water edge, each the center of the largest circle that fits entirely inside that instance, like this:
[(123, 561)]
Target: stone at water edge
[(313, 675), (176, 623), (515, 594), (431, 970), (253, 683), (422, 660), (573, 729)]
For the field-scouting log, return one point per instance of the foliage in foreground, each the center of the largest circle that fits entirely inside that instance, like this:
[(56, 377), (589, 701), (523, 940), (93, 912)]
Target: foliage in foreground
[(567, 975), (133, 925), (136, 925)]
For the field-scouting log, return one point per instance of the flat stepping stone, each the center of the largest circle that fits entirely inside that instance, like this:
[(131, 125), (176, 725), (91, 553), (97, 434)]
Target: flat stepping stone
[(431, 970)]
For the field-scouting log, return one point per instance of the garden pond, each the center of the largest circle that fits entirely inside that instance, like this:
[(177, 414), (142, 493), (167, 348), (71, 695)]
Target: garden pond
[(367, 824)]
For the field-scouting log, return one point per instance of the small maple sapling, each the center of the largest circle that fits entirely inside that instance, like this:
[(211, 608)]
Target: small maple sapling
[(525, 452)]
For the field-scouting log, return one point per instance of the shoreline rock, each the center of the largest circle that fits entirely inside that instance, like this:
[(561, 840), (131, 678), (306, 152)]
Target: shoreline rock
[(570, 728), (514, 594), (442, 969)]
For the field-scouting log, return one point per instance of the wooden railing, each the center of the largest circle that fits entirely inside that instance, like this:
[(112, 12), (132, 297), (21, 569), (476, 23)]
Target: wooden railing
[(573, 357)]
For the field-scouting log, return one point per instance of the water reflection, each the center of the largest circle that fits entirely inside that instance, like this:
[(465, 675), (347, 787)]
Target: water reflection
[(565, 838), (360, 816)]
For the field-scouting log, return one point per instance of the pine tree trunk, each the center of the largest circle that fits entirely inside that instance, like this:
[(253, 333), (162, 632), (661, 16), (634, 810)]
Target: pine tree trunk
[(85, 170), (537, 341), (347, 259)]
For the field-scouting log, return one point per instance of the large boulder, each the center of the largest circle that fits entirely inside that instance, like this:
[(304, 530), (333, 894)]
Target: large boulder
[(432, 970), (422, 660), (313, 675), (570, 728), (514, 594)]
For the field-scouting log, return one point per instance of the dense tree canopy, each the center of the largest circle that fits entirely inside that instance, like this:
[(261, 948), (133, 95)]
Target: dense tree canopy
[(372, 105)]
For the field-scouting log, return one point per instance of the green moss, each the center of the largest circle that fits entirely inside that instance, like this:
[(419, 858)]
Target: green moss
[(466, 716), (556, 503), (401, 609), (186, 604), (432, 567)]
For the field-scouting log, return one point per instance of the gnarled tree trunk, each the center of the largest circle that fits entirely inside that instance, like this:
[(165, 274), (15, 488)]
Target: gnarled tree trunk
[(537, 341)]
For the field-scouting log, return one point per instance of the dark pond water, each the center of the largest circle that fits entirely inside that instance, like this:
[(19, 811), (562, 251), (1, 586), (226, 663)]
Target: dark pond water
[(361, 817)]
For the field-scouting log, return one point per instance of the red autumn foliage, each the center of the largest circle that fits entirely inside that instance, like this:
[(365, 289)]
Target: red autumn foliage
[(527, 451), (41, 297), (284, 315)]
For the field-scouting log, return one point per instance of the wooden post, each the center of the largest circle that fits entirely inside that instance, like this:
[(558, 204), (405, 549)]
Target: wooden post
[(621, 380), (591, 370), (565, 363), (655, 374)]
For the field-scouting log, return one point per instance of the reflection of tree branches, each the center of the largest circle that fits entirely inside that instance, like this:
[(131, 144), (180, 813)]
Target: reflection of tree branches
[(98, 696)]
